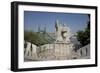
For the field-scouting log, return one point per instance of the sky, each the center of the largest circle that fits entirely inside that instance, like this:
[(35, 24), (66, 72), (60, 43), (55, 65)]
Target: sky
[(33, 20)]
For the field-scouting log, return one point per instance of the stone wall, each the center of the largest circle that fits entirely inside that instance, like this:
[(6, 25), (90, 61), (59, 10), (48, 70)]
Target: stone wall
[(30, 52), (82, 53), (55, 51)]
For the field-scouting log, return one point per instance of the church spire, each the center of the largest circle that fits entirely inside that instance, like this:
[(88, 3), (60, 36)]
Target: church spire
[(45, 28), (39, 28), (56, 23)]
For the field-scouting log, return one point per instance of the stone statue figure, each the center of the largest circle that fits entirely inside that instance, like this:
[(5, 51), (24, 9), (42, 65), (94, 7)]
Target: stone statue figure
[(62, 32)]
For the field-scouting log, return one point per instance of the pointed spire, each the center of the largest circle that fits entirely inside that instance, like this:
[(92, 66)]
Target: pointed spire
[(45, 28), (39, 28), (56, 23)]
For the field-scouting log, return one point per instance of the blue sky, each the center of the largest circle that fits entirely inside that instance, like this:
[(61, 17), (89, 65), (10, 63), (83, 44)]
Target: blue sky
[(75, 21)]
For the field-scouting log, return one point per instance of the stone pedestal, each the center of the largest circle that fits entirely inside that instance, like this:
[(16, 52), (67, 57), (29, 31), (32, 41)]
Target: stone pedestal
[(63, 51)]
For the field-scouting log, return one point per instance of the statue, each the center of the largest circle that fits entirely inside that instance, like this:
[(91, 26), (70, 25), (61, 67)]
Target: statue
[(62, 33)]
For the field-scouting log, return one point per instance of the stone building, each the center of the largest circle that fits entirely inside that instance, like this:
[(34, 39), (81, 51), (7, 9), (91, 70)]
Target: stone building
[(63, 48)]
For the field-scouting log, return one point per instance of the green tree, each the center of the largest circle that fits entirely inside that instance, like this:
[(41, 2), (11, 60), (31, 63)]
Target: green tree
[(84, 36)]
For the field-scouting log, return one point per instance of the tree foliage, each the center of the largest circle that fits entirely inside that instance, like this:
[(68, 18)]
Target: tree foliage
[(84, 36)]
